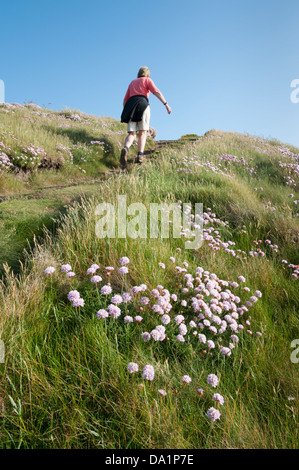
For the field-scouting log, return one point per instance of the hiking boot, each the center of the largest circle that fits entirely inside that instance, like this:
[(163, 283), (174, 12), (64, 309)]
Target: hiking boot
[(139, 159), (123, 159)]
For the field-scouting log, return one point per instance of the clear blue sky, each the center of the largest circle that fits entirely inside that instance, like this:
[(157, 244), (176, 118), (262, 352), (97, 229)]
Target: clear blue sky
[(220, 64)]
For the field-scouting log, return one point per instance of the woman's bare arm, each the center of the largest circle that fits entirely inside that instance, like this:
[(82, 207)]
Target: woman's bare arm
[(160, 97)]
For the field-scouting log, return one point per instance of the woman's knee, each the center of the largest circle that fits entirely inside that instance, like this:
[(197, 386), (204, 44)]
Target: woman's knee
[(142, 133)]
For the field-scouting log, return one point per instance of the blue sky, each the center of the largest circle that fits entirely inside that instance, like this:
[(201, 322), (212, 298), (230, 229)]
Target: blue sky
[(220, 64)]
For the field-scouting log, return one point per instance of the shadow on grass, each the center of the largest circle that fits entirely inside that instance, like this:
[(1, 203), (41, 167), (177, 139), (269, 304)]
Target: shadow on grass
[(109, 155), (21, 233)]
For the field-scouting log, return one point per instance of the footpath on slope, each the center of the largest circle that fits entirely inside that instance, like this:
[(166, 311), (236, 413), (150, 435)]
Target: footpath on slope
[(160, 145)]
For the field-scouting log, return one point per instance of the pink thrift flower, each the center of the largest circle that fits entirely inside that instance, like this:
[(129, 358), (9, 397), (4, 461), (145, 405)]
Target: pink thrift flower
[(102, 313), (106, 290), (146, 336), (219, 398), (70, 274), (165, 319), (124, 260), (91, 271), (155, 293), (73, 295), (183, 329), (138, 319), (126, 297), (213, 380), (213, 414), (156, 334), (148, 372), (128, 319), (133, 367), (186, 379), (143, 287), (234, 338), (225, 351), (135, 289), (49, 270), (78, 303), (65, 268), (116, 299), (179, 319), (114, 311), (95, 266), (202, 338), (180, 338), (123, 270)]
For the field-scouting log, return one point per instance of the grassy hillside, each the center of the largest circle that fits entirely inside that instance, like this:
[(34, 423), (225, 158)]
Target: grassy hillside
[(65, 382), (43, 155), (34, 138)]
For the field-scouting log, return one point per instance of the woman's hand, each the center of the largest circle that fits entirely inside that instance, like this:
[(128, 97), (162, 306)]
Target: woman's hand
[(168, 108)]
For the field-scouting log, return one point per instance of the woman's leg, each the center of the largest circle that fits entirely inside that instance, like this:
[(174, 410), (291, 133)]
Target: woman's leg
[(141, 145), (128, 142), (130, 139), (141, 141)]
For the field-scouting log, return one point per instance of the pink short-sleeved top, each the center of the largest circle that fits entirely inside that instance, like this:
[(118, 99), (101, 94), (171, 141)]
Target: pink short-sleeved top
[(140, 86)]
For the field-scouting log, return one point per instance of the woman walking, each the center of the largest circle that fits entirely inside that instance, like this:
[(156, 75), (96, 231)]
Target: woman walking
[(137, 113)]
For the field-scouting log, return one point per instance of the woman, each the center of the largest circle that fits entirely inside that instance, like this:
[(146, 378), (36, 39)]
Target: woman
[(137, 112)]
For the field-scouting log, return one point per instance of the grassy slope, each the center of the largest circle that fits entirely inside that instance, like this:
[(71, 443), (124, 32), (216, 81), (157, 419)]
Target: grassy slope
[(63, 138), (23, 220), (66, 383), (22, 126)]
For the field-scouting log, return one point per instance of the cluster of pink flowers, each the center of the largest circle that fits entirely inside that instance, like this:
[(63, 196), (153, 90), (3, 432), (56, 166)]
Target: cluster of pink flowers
[(67, 270), (65, 150), (189, 162), (294, 267), (216, 310), (74, 297), (205, 310), (5, 163), (96, 142)]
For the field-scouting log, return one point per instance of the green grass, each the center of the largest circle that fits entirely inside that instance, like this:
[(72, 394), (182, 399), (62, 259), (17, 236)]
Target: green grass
[(65, 382), (64, 142), (23, 220)]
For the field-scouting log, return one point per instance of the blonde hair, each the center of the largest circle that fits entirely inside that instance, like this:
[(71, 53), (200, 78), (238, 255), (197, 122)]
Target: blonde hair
[(143, 72)]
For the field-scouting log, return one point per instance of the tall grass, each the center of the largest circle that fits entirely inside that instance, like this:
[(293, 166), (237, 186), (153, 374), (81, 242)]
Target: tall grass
[(65, 382)]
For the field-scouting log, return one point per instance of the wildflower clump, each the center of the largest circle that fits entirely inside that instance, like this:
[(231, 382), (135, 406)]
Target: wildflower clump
[(201, 310)]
